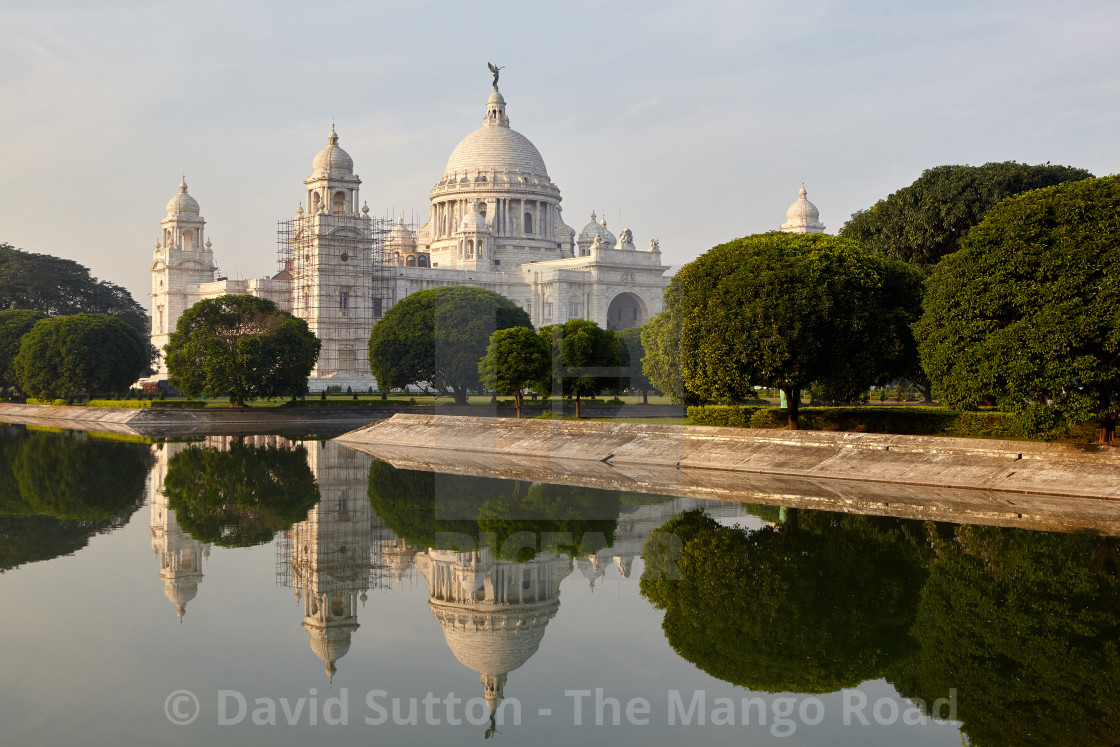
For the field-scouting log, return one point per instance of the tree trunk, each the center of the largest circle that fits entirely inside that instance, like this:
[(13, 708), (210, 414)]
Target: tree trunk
[(517, 401), (459, 395), (926, 391), (577, 407), (645, 396), (793, 404), (1108, 428)]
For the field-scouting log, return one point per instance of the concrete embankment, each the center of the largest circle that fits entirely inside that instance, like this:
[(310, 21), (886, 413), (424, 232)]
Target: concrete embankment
[(1014, 483), (159, 422)]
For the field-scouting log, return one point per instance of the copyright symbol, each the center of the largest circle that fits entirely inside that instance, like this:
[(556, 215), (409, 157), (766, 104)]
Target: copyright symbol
[(181, 707)]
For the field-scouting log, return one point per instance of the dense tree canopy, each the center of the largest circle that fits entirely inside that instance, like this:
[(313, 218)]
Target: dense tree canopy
[(64, 356), (516, 358), (630, 359), (242, 496), (818, 604), (1026, 627), (924, 222), (513, 519), (584, 360), (14, 324), (242, 346), (439, 336), (59, 287), (661, 343), (1028, 311), (784, 310)]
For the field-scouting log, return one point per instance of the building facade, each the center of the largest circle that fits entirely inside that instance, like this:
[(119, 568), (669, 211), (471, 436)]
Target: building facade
[(494, 222)]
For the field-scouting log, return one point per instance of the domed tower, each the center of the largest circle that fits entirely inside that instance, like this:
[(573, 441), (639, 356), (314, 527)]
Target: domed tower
[(181, 261), (497, 172), (475, 242), (400, 247), (328, 251), (802, 216), (590, 231)]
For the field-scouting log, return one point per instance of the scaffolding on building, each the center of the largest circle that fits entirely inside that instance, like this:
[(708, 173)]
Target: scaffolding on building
[(335, 272)]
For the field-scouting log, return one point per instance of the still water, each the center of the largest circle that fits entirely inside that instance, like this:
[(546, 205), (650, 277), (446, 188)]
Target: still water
[(262, 590)]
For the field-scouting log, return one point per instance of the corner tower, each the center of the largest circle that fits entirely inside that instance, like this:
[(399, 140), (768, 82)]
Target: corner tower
[(326, 252), (182, 260)]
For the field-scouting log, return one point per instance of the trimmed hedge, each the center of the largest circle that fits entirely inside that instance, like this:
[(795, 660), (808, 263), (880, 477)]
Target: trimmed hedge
[(349, 403), (903, 421), (140, 404)]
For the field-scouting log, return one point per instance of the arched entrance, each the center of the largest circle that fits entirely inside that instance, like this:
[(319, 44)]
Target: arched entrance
[(626, 310)]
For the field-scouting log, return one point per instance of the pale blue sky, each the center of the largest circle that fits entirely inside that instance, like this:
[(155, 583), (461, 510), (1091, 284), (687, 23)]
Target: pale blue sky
[(695, 122)]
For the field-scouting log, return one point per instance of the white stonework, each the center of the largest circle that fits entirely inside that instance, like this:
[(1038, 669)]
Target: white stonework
[(494, 222), (803, 216)]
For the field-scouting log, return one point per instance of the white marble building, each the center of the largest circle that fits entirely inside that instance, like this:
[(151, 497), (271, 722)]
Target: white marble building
[(494, 222)]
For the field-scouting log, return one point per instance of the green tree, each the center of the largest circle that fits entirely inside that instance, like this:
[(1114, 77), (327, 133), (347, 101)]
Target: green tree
[(820, 603), (922, 223), (516, 358), (242, 346), (584, 359), (513, 519), (80, 478), (1025, 626), (438, 336), (630, 359), (661, 341), (240, 497), (59, 287), (64, 356), (784, 310), (1028, 311), (14, 324)]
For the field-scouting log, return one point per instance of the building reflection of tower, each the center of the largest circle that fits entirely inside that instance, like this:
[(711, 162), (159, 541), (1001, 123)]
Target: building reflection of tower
[(327, 557), (636, 524), (180, 555), (493, 612)]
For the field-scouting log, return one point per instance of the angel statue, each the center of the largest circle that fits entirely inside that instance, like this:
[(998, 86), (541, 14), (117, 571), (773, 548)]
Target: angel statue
[(494, 69)]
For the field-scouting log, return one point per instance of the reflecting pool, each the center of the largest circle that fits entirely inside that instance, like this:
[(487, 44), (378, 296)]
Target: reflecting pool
[(264, 590)]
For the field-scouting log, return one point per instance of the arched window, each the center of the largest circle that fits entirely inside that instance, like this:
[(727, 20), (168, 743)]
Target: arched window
[(422, 260), (528, 222), (188, 240), (470, 248), (338, 203), (411, 261), (344, 300)]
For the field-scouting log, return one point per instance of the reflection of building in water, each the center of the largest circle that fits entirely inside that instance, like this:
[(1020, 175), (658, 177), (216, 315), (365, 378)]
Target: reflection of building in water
[(636, 524), (327, 557), (493, 612), (180, 555)]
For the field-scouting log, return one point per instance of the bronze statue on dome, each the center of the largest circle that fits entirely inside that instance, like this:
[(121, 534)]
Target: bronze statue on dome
[(494, 69)]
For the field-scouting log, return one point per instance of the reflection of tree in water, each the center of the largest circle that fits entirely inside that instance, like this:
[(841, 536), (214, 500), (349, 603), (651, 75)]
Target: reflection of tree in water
[(59, 490), (818, 604), (1026, 627), (242, 496), (457, 512)]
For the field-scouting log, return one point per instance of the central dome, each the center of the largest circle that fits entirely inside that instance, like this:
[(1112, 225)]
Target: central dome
[(496, 148)]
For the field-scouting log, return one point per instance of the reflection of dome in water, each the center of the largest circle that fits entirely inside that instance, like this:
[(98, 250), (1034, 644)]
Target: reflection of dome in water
[(493, 612), (331, 643)]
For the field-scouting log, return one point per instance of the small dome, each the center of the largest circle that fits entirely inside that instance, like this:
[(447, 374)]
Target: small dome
[(474, 222), (496, 98), (803, 216), (182, 203), (332, 160), (593, 229), (400, 238)]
